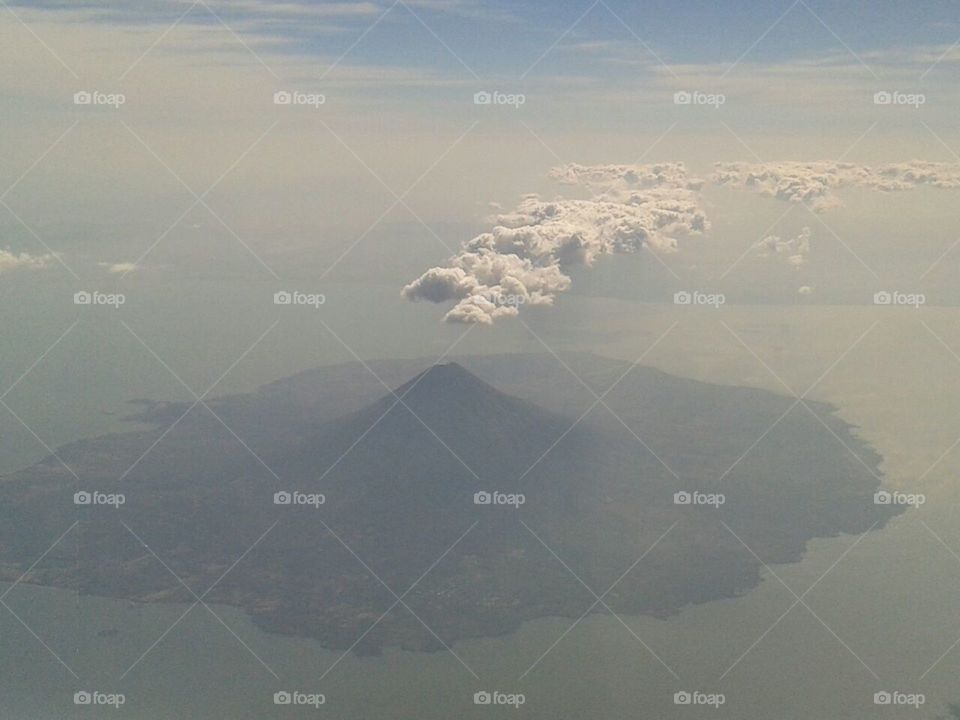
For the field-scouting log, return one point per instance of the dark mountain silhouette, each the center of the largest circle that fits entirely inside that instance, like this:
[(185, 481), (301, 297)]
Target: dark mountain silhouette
[(400, 474), (456, 419)]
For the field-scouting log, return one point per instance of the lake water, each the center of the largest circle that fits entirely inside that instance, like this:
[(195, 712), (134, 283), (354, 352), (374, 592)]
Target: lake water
[(893, 600), (879, 620)]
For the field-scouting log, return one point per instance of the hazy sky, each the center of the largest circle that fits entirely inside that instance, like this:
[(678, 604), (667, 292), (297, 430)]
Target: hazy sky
[(399, 78), (200, 180)]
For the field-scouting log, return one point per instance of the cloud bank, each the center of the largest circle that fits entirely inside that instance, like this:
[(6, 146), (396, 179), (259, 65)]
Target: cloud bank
[(815, 183), (523, 260)]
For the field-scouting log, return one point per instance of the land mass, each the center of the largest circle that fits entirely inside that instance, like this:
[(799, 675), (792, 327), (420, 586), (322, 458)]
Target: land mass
[(400, 552)]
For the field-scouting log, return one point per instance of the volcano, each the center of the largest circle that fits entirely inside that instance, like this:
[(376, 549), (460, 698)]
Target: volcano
[(445, 509)]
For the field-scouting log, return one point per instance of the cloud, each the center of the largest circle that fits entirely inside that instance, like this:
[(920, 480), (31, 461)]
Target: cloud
[(815, 183), (121, 267), (524, 258), (796, 249), (10, 261)]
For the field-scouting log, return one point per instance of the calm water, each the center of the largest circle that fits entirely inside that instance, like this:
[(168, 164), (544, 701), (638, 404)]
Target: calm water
[(893, 600)]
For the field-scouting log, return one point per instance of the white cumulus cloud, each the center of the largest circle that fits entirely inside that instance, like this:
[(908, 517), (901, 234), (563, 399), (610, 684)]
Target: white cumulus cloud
[(815, 183), (796, 250), (523, 259)]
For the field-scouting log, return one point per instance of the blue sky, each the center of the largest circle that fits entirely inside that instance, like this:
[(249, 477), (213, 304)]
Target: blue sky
[(501, 38)]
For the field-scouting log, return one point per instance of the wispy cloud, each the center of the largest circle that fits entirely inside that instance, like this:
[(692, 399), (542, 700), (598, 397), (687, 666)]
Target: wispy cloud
[(10, 261), (119, 268)]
